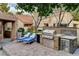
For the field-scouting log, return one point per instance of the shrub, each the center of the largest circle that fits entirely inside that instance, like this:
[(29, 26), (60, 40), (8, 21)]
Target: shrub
[(21, 30)]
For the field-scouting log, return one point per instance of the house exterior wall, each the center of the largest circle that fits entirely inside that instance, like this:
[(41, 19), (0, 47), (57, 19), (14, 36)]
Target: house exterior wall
[(43, 22), (20, 24), (77, 23), (13, 32), (51, 20), (78, 26)]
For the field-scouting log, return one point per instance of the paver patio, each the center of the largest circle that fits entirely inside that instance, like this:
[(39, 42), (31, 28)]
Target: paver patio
[(4, 42), (34, 49), (2, 53)]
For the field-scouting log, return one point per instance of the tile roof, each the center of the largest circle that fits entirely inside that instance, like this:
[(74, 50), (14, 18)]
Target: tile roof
[(25, 19)]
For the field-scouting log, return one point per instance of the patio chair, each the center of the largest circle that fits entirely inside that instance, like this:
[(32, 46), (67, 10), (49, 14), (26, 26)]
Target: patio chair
[(25, 36), (30, 39)]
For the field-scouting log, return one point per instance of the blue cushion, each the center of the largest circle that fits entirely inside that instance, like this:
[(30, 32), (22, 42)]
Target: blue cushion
[(25, 36), (30, 39)]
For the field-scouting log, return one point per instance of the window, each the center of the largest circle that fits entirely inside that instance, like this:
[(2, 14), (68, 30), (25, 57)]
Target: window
[(46, 24), (27, 24), (75, 25)]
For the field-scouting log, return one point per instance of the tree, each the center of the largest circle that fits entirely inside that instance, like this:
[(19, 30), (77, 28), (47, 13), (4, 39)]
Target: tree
[(45, 9), (42, 9), (4, 7), (75, 14), (65, 7)]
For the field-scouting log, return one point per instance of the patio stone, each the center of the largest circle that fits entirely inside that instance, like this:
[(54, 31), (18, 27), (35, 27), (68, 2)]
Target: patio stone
[(2, 43), (2, 53), (34, 49)]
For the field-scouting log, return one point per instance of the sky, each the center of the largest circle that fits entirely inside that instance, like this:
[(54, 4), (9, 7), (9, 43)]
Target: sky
[(13, 10), (12, 4), (12, 7)]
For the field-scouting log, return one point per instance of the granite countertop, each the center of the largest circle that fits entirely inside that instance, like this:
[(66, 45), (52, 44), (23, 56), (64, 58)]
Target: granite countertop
[(69, 37), (66, 36)]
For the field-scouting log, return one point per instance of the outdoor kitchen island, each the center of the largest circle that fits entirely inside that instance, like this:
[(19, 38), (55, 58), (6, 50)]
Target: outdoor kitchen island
[(47, 38), (65, 43)]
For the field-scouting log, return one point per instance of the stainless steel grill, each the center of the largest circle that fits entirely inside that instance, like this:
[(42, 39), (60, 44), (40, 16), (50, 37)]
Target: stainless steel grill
[(49, 34)]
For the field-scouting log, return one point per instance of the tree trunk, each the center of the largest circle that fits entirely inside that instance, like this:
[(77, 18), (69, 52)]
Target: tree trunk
[(34, 23), (69, 22), (37, 22), (55, 17), (60, 14), (62, 17)]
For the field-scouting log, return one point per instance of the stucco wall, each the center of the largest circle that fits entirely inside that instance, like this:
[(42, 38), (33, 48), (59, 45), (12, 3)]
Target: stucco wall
[(1, 30), (20, 24), (54, 20), (77, 23)]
